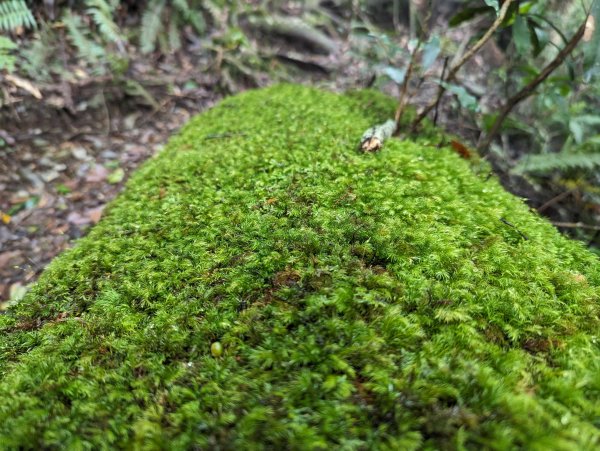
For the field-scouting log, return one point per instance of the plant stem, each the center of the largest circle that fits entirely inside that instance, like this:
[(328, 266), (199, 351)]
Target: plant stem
[(404, 88)]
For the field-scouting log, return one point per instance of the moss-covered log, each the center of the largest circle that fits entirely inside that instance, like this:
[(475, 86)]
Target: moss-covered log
[(360, 301)]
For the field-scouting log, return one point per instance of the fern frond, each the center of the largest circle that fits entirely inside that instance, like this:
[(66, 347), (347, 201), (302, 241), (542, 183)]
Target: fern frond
[(190, 15), (7, 60), (182, 6), (151, 25), (15, 14), (559, 161), (213, 10), (102, 12), (86, 47), (174, 34)]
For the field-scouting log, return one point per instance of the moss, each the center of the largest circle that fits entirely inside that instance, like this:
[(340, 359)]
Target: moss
[(361, 301)]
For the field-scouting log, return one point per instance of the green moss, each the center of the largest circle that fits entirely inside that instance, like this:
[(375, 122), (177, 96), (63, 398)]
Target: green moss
[(361, 301)]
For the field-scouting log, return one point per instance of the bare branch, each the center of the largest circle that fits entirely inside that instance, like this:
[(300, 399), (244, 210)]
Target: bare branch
[(466, 57), (576, 225), (531, 87), (404, 88)]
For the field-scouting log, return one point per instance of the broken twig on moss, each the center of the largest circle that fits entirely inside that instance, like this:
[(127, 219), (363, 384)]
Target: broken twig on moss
[(374, 137)]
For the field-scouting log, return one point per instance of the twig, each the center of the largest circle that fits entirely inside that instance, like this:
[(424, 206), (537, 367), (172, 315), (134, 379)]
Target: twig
[(435, 114), (531, 87), (374, 137), (456, 67), (554, 200), (395, 14), (525, 237), (576, 225), (404, 88)]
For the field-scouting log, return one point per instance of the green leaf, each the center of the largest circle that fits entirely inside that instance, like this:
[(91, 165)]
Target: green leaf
[(467, 14), (521, 35), (577, 130), (534, 36), (465, 99), (430, 52), (151, 25), (397, 75), (7, 61), (494, 4), (578, 125)]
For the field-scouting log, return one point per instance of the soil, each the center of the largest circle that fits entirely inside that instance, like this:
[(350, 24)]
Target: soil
[(62, 167)]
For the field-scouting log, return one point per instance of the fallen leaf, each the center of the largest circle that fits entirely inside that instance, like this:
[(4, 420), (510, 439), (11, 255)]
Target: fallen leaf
[(95, 214), (5, 218), (24, 84), (78, 219), (6, 257), (461, 149), (97, 174)]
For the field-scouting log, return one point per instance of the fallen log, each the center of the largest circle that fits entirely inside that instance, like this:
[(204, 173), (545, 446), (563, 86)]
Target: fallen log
[(277, 289)]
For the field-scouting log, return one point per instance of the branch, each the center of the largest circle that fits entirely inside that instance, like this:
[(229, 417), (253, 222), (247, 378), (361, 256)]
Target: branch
[(404, 88), (530, 88), (576, 225), (437, 104), (456, 67)]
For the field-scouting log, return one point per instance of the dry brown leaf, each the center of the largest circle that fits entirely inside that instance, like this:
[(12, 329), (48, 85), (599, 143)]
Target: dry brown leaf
[(461, 149), (95, 214), (97, 174), (6, 257), (24, 84)]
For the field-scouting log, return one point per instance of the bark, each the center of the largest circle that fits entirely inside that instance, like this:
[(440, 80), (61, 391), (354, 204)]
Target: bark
[(372, 140)]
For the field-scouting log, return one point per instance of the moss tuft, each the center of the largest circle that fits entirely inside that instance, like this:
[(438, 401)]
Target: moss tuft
[(359, 301)]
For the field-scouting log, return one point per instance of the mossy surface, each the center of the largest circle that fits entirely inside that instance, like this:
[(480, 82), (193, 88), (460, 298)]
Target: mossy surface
[(362, 301)]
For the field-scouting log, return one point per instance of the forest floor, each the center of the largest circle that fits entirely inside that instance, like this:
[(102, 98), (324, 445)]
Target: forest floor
[(70, 154)]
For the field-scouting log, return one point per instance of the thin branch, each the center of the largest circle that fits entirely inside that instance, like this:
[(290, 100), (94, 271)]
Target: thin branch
[(525, 237), (404, 88), (576, 225), (437, 105), (531, 87), (456, 67), (555, 199)]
